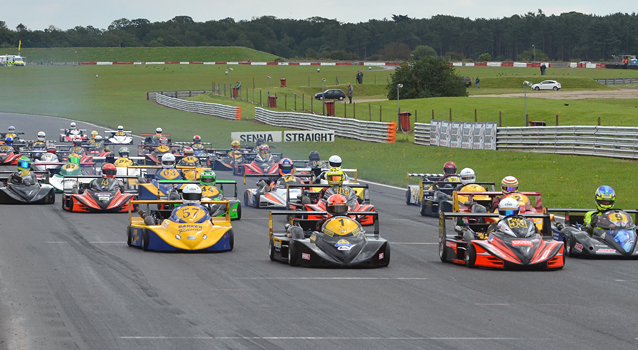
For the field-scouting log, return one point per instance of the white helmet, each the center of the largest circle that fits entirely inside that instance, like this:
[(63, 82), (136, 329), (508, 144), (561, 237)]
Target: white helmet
[(508, 207), (192, 194), (98, 138), (168, 160), (41, 136), (467, 176), (158, 130), (12, 128), (73, 125), (120, 128), (335, 161)]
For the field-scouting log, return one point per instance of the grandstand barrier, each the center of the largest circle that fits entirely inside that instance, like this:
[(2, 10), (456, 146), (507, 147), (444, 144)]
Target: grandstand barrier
[(343, 127)]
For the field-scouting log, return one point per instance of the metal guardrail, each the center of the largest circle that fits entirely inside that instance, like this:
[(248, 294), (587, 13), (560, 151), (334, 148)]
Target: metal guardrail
[(343, 127), (152, 96), (212, 109), (618, 81), (599, 141)]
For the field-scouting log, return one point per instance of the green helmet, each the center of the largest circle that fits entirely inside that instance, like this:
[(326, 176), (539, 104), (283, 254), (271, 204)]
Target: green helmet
[(74, 158), (207, 178), (24, 163)]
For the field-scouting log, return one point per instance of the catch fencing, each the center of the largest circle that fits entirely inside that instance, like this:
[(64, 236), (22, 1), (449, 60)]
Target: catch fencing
[(600, 141), (173, 100), (343, 127)]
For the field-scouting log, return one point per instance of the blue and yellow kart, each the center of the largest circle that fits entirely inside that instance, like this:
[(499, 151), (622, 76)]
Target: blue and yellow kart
[(191, 228)]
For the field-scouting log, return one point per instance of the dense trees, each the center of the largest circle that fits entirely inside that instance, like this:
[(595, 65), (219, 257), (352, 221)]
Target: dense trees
[(569, 36), (427, 77)]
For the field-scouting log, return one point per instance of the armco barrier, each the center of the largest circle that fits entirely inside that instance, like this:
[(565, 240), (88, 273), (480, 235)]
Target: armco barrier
[(343, 127), (212, 109), (422, 134)]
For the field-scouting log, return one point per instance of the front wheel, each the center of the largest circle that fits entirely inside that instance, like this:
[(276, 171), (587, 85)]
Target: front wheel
[(271, 250), (442, 248), (293, 258), (422, 208), (470, 255), (537, 88), (231, 239), (238, 211), (128, 236), (555, 88)]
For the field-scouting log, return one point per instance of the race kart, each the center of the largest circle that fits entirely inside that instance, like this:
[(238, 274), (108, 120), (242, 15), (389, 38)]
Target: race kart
[(197, 231), (28, 191), (68, 135), (149, 188), (231, 159), (311, 202), (439, 196), (270, 192), (114, 137), (214, 193), (9, 155), (614, 234), (512, 243), (151, 142), (269, 167), (414, 193), (339, 242), (105, 196)]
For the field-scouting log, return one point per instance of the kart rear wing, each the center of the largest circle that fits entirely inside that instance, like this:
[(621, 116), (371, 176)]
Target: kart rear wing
[(293, 213), (423, 176), (221, 182), (346, 171), (43, 175), (150, 135), (536, 194), (482, 227), (580, 214), (190, 143), (159, 201), (274, 176)]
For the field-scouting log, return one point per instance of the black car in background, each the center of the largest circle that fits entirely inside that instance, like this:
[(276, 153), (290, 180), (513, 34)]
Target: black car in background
[(467, 82), (331, 94)]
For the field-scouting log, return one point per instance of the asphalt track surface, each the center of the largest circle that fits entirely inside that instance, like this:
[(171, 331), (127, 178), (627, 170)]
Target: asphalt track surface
[(69, 281)]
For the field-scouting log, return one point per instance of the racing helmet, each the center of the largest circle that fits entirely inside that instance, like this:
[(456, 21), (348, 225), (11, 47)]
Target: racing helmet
[(509, 184), (605, 198), (120, 128), (207, 178), (24, 163), (93, 133), (235, 144), (192, 194), (508, 207), (124, 152), (337, 205), (163, 141), (77, 142), (168, 160), (158, 130), (467, 176), (335, 161), (8, 141), (285, 167), (74, 158), (109, 170), (98, 138), (73, 125), (12, 128), (264, 150), (51, 149), (335, 176), (260, 141), (188, 151), (41, 136), (314, 156), (449, 168)]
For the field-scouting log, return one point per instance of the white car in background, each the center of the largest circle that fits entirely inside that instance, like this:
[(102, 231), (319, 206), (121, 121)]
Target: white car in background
[(547, 85)]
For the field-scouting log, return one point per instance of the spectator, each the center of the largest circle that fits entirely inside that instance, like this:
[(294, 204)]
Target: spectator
[(350, 92), (543, 68), (477, 81)]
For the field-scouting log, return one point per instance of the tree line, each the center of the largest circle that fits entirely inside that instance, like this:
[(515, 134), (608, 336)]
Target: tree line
[(570, 36)]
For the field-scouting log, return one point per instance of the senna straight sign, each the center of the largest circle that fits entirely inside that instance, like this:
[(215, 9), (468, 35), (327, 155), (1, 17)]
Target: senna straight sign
[(309, 136), (253, 136)]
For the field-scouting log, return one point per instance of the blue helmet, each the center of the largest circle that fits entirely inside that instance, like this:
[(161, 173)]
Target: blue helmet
[(8, 141), (605, 198), (285, 167)]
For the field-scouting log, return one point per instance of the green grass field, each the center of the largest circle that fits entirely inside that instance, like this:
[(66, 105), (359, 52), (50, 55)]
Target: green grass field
[(118, 97)]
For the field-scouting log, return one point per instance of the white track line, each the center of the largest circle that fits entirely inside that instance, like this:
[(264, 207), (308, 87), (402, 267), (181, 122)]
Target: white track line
[(411, 243), (383, 185), (326, 338), (330, 278), (88, 242)]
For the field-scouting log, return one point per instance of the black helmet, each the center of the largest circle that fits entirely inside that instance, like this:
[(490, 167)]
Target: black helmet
[(314, 155)]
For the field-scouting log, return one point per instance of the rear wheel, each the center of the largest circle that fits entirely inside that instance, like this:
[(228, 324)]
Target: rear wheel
[(555, 88), (238, 211), (422, 208), (271, 250), (293, 258), (231, 239), (129, 239), (408, 195), (144, 240), (387, 254), (568, 246), (442, 249), (470, 255)]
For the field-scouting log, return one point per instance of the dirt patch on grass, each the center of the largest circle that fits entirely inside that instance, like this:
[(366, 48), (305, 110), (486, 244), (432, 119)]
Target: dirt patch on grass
[(574, 95)]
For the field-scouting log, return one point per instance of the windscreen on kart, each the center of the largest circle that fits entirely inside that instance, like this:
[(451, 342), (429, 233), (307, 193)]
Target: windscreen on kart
[(625, 238), (615, 219), (516, 226)]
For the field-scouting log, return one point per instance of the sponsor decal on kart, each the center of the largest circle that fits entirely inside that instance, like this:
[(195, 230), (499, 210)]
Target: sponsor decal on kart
[(277, 243), (343, 244), (313, 238), (490, 239), (165, 224), (522, 243), (381, 256), (606, 251), (187, 228), (305, 256), (545, 254), (578, 247), (450, 244)]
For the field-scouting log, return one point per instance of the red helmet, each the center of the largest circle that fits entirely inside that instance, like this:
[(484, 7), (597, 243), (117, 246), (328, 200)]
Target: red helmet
[(188, 151), (337, 205), (163, 141), (109, 170), (197, 139), (449, 168)]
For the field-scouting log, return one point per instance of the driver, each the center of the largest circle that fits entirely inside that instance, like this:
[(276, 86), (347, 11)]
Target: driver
[(120, 131), (509, 216), (23, 172), (77, 146), (108, 177), (337, 205), (12, 132), (40, 142), (287, 171), (335, 177), (449, 169), (168, 171), (8, 145), (264, 154), (334, 162), (158, 133), (197, 139), (189, 158), (509, 185), (605, 199), (93, 134), (192, 198), (124, 161)]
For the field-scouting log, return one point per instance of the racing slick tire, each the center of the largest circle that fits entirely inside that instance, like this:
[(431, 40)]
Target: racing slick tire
[(407, 197), (271, 250), (144, 240), (238, 210), (231, 239), (568, 245), (128, 236), (387, 255), (422, 208), (293, 256), (442, 250), (470, 255), (50, 197), (246, 199)]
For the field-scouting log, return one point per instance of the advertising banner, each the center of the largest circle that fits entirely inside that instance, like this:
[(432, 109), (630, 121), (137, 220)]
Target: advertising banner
[(253, 136), (309, 136)]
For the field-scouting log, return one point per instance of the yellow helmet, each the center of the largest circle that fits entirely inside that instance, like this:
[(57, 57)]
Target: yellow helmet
[(476, 188), (335, 176), (234, 144), (93, 133)]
